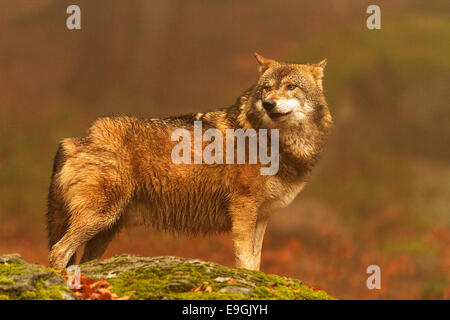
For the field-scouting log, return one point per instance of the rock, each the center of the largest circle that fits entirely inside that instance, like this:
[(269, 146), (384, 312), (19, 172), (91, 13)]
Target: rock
[(222, 279), (20, 280), (181, 285), (144, 278), (235, 289)]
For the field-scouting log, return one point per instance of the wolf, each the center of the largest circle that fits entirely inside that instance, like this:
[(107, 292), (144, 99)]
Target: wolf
[(121, 173)]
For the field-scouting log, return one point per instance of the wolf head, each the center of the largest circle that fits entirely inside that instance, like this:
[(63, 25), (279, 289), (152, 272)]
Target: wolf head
[(287, 95)]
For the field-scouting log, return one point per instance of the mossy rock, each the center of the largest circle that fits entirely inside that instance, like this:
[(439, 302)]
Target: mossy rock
[(20, 280), (153, 278), (174, 278)]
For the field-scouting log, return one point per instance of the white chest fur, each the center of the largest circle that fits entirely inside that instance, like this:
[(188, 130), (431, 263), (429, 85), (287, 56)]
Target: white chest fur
[(281, 193)]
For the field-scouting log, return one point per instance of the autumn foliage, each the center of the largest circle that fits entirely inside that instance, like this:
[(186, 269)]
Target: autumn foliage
[(90, 289)]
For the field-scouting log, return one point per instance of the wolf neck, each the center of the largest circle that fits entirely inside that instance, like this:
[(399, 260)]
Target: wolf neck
[(300, 149)]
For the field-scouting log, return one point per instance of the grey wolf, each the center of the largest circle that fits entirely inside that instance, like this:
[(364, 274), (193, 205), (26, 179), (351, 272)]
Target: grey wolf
[(121, 172)]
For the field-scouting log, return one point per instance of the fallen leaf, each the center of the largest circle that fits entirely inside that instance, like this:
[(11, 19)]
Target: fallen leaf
[(95, 290), (209, 289), (99, 284), (199, 288)]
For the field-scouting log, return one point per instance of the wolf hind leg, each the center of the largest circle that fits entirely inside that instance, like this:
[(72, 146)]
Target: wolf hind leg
[(93, 209), (79, 232), (95, 247), (57, 222), (57, 226)]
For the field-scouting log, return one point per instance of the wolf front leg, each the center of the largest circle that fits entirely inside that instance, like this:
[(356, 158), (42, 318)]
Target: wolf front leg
[(244, 215), (260, 229)]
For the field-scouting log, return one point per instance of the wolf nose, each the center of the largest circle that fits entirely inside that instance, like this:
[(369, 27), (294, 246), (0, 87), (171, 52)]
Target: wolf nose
[(269, 104)]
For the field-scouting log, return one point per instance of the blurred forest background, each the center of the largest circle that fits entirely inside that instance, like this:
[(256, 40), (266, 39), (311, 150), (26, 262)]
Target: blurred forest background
[(380, 194)]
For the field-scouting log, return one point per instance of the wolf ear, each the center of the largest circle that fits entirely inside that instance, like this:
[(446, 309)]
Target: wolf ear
[(264, 63), (317, 71), (322, 64)]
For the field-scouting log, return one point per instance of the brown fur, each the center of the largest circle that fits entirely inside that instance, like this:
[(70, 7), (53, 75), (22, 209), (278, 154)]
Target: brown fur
[(121, 173)]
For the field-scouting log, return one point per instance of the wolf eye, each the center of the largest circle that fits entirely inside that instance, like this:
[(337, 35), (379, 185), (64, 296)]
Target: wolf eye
[(291, 86), (266, 88)]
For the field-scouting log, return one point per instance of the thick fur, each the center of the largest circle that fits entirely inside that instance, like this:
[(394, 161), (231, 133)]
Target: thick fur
[(122, 173)]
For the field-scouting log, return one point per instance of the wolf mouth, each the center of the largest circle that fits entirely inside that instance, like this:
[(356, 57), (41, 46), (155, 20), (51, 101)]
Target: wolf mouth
[(278, 115)]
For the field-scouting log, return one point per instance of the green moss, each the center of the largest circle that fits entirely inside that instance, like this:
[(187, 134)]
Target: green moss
[(7, 282), (173, 278), (26, 295), (12, 268), (175, 283), (49, 293), (42, 292)]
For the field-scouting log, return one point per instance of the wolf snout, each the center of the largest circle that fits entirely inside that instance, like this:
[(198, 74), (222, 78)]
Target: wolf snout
[(269, 105), (277, 108)]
